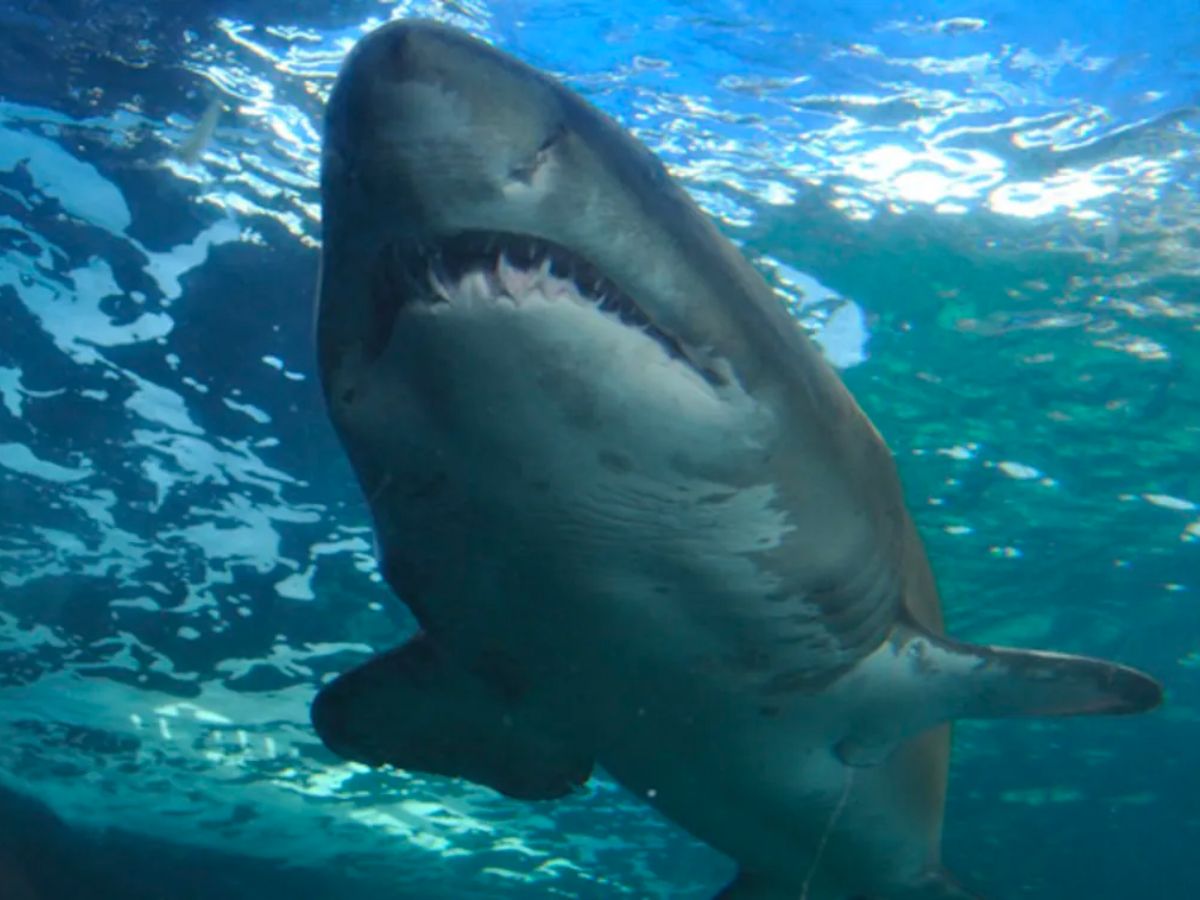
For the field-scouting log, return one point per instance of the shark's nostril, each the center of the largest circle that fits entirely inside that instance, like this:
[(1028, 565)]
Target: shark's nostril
[(525, 171), (559, 132), (397, 43), (394, 53)]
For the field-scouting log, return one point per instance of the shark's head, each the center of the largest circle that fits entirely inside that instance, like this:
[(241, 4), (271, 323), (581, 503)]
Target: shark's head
[(506, 269), (444, 134), (445, 158)]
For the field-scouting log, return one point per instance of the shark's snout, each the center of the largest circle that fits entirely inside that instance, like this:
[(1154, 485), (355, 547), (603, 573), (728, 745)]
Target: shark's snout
[(440, 124)]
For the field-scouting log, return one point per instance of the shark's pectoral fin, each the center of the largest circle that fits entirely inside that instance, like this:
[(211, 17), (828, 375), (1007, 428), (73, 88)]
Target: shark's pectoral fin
[(413, 708), (982, 682), (917, 680)]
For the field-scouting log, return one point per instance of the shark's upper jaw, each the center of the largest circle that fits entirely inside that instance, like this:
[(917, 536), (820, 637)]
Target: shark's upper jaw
[(489, 267)]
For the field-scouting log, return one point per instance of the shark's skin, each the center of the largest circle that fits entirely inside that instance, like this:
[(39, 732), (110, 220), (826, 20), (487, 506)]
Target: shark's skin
[(640, 520)]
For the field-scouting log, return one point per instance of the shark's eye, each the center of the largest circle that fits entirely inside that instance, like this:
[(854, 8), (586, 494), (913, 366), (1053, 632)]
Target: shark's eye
[(527, 170)]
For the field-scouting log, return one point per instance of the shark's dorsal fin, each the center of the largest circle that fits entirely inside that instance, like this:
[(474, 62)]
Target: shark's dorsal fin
[(413, 708)]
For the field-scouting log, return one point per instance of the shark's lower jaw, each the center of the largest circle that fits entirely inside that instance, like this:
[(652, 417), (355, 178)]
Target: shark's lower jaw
[(474, 269)]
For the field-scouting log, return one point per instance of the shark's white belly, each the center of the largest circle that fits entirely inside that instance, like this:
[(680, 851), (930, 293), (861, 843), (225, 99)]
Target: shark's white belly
[(546, 475)]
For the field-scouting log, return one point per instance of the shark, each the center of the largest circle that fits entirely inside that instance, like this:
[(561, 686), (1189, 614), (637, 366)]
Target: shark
[(640, 521)]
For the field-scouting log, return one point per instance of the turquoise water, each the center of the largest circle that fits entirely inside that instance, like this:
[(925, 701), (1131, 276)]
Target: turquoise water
[(985, 212)]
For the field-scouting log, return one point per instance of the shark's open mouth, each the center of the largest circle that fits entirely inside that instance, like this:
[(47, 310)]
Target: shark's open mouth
[(505, 266)]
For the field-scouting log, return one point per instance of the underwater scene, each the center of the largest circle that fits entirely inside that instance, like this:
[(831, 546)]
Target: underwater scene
[(985, 216)]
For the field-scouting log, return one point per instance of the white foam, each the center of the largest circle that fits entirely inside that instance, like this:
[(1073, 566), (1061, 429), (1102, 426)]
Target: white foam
[(844, 338), (74, 319), (1019, 471), (1166, 501), (78, 186), (248, 409), (19, 458), (13, 392), (161, 405), (297, 586), (167, 268)]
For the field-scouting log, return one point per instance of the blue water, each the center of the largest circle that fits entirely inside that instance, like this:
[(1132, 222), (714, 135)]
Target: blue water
[(987, 213)]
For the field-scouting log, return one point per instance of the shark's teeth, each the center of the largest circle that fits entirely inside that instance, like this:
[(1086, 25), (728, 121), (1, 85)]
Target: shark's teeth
[(441, 290), (518, 281), (522, 266), (479, 267)]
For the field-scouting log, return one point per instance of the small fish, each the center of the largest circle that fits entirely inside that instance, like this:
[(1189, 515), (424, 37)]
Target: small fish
[(197, 141)]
